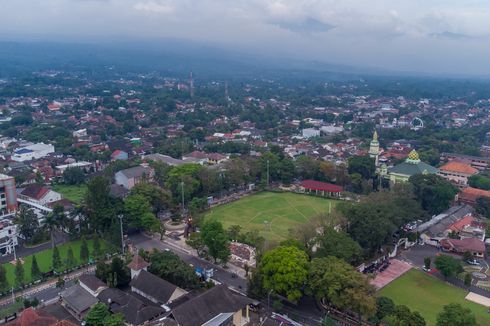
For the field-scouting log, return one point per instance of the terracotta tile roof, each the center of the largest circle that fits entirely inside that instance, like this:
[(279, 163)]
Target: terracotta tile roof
[(467, 244), (459, 225), (458, 167), (472, 194), (31, 317), (35, 191)]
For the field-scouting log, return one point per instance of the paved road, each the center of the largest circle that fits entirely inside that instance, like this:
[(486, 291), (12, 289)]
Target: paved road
[(22, 251), (220, 274)]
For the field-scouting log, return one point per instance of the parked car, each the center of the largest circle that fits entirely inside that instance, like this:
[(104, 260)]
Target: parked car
[(425, 269), (473, 262)]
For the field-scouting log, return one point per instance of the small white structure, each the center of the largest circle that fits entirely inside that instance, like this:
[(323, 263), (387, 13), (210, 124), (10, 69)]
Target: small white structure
[(8, 237), (32, 152)]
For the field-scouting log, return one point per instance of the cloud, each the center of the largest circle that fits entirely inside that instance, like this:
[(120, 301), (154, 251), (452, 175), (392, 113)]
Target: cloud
[(306, 26), (154, 7)]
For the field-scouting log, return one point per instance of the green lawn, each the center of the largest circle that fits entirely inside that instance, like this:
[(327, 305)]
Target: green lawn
[(282, 210), (73, 193), (427, 295), (44, 259)]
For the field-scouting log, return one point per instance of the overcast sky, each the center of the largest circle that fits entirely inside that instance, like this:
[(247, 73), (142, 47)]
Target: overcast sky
[(436, 36)]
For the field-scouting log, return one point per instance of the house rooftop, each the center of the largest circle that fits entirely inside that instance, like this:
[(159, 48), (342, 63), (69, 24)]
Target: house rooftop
[(153, 286)]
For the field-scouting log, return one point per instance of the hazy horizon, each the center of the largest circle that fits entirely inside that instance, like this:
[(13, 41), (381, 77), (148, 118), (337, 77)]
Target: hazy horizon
[(440, 37)]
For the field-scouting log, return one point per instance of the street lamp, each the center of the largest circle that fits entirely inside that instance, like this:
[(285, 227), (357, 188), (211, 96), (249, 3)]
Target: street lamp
[(269, 300), (122, 236)]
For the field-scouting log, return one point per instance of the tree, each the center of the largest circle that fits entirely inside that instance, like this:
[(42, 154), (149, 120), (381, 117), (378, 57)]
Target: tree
[(340, 284), (99, 206), (53, 220), (479, 181), (454, 314), (73, 176), (195, 241), (427, 262), (384, 307), (284, 270), (158, 198), (433, 192), (97, 315), (403, 316), (234, 232), (3, 278), (19, 273), (483, 206), (364, 165), (27, 221), (338, 244), (35, 271), (467, 279), (56, 259), (114, 320), (84, 252), (170, 267), (215, 238), (97, 250), (149, 222), (70, 258), (135, 207), (115, 274), (448, 265)]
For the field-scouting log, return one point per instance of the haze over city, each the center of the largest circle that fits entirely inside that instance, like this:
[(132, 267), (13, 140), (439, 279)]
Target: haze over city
[(431, 37)]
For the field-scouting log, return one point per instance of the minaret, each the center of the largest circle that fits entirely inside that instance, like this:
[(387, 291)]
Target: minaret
[(374, 148), (191, 85)]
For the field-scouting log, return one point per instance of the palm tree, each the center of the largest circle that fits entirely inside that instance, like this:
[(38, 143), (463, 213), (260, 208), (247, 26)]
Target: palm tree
[(54, 220)]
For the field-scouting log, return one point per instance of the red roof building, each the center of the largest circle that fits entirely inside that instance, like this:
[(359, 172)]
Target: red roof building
[(470, 195), (321, 188), (475, 246)]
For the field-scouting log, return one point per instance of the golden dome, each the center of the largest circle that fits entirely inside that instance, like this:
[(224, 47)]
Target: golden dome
[(413, 156)]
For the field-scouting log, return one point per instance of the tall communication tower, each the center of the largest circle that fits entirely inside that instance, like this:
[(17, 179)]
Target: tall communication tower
[(191, 85)]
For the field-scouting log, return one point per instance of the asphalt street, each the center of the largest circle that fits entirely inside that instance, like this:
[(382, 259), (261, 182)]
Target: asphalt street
[(220, 274)]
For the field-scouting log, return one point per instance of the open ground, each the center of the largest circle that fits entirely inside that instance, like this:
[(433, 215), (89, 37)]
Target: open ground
[(271, 214), (73, 193), (427, 295)]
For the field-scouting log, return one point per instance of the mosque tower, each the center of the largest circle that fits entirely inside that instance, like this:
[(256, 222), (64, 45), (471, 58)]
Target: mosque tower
[(374, 148)]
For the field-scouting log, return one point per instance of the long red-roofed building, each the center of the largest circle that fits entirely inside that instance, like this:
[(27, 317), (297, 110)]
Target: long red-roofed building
[(321, 188)]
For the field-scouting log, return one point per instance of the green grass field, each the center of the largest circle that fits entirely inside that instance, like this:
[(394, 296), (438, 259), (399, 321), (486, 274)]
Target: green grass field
[(73, 193), (283, 211), (427, 295), (44, 259)]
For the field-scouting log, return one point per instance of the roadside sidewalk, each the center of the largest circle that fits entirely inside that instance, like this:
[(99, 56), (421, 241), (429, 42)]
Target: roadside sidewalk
[(181, 245)]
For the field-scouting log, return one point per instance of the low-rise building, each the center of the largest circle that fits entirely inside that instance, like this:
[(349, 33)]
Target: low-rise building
[(38, 194), (8, 237), (32, 152), (129, 178), (457, 173)]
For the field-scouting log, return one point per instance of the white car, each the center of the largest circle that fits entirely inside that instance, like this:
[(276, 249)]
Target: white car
[(473, 262)]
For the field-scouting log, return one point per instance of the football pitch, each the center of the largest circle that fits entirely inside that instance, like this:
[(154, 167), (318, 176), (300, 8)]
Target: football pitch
[(271, 214), (428, 295)]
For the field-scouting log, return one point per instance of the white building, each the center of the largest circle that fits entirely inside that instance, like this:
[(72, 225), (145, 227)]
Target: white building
[(8, 237), (310, 133), (32, 152)]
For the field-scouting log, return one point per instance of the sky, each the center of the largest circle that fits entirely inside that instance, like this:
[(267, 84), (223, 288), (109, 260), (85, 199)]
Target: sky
[(427, 36)]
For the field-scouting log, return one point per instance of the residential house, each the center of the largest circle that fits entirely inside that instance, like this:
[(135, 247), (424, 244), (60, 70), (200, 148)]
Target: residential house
[(77, 301), (128, 178), (33, 317), (155, 289), (457, 173), (91, 284), (217, 306), (119, 155), (39, 194), (475, 246), (439, 227)]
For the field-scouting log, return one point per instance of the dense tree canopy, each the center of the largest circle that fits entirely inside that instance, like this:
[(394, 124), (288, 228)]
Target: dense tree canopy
[(433, 192), (284, 270), (454, 314)]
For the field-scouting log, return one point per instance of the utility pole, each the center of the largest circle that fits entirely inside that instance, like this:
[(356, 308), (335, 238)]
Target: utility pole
[(122, 236), (15, 253), (182, 188)]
